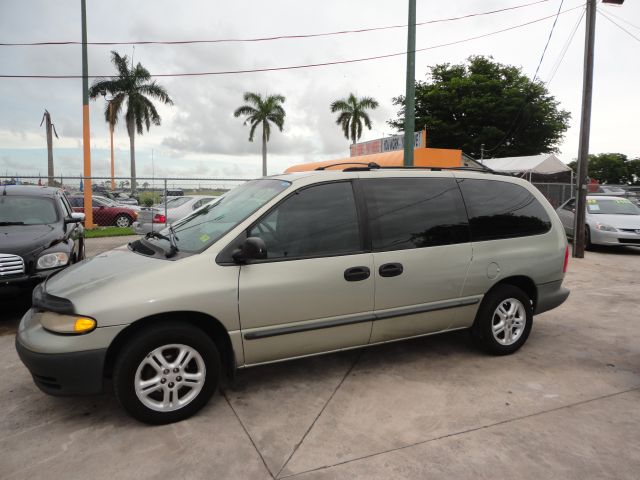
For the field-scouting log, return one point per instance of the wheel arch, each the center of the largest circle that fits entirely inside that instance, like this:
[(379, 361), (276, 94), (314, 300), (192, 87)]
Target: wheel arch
[(524, 283), (211, 326)]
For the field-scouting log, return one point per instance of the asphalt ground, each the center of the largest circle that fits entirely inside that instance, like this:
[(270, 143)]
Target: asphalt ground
[(566, 406)]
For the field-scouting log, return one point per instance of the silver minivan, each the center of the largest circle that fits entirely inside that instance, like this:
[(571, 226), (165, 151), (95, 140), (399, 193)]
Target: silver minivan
[(295, 265)]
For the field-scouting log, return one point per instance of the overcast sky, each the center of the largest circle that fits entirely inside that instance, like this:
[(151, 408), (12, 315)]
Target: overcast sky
[(199, 135)]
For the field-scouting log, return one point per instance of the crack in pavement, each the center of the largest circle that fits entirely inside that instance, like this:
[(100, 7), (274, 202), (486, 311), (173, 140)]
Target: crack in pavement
[(224, 394), (463, 432), (295, 449)]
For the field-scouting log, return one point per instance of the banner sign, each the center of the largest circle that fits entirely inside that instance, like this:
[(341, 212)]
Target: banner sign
[(386, 144)]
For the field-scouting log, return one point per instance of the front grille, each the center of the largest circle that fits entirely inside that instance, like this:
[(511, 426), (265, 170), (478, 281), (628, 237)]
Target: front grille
[(635, 241), (630, 230), (11, 265)]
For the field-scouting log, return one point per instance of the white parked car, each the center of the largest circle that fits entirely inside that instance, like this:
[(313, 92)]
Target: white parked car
[(609, 220)]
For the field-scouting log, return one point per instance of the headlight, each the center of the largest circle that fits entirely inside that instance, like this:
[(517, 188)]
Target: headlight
[(51, 260), (70, 324), (605, 228)]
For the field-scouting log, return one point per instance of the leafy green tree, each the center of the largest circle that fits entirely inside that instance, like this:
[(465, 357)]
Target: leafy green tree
[(485, 102), (612, 168), (262, 111), (132, 85), (609, 168), (633, 167), (353, 112)]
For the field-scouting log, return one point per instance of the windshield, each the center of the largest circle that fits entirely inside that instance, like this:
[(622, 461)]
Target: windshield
[(606, 206), (206, 225), (16, 210)]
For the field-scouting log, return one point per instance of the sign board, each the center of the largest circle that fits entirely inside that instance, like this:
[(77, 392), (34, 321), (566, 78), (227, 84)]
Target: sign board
[(387, 144)]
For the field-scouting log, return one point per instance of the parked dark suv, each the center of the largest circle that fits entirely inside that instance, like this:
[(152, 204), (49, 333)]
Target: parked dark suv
[(39, 234)]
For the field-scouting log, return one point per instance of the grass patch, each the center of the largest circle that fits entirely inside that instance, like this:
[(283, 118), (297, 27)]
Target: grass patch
[(108, 232)]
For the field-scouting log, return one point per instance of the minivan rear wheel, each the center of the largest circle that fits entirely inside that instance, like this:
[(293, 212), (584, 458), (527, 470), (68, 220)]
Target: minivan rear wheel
[(166, 373), (504, 320)]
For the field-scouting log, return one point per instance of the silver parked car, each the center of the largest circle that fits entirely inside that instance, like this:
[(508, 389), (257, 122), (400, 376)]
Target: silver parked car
[(295, 265), (609, 220), (153, 218)]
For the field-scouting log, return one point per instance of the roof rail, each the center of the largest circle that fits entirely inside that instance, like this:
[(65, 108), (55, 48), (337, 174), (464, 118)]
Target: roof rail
[(368, 166)]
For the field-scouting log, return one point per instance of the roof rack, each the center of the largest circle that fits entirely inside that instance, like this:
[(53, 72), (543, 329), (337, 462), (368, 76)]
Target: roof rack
[(362, 166)]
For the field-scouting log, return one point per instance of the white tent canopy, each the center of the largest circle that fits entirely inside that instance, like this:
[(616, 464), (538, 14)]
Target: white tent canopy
[(546, 164)]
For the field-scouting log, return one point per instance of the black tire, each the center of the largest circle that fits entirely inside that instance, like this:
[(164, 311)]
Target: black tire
[(587, 239), (82, 254), (121, 219), (482, 330), (140, 346)]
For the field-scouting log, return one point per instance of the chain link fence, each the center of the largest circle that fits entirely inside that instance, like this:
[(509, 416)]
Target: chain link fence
[(150, 206)]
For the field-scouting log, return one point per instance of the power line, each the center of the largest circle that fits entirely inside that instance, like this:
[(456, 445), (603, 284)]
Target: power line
[(553, 27), (297, 67), (514, 124), (618, 25), (264, 39), (565, 48), (611, 14)]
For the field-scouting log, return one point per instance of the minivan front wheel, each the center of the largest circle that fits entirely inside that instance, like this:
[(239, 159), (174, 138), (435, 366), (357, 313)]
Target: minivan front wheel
[(504, 320), (167, 373)]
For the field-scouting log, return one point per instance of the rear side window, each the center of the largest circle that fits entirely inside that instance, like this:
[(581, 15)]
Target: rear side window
[(502, 210), (317, 221), (415, 212)]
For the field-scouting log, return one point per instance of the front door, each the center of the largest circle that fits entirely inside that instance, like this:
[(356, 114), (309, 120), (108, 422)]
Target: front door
[(314, 291), (421, 250)]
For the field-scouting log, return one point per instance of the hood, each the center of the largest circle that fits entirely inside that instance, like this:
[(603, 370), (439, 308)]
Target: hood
[(617, 221), (113, 268), (26, 240)]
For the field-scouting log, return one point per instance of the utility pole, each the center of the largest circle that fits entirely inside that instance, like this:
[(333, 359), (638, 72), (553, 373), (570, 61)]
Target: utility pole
[(86, 139), (585, 125), (51, 129), (410, 93)]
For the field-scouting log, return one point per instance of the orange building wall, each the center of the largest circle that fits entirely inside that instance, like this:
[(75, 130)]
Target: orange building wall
[(422, 157)]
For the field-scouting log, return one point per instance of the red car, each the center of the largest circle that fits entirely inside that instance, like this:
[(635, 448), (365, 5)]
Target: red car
[(105, 213)]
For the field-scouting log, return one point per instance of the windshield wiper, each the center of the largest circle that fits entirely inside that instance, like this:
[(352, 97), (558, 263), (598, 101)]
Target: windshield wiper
[(4, 224), (173, 249)]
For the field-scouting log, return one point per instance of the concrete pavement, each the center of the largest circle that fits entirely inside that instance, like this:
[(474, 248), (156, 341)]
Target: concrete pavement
[(565, 406)]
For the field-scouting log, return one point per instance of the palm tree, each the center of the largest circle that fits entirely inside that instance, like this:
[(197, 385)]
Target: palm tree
[(134, 86), (262, 111), (352, 114)]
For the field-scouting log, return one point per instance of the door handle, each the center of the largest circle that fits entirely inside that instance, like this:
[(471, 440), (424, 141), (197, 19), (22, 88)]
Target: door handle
[(391, 270), (355, 274)]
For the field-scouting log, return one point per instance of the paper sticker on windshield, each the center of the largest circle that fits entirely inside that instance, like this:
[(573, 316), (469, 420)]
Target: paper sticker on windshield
[(622, 200), (591, 201), (594, 208), (204, 237)]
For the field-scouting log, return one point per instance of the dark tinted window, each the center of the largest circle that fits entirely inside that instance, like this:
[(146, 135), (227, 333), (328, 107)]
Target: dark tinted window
[(502, 210), (76, 202), (570, 205), (415, 212), (27, 210), (319, 220)]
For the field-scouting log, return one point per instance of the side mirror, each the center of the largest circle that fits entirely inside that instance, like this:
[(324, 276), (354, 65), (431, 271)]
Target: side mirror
[(75, 218), (253, 248)]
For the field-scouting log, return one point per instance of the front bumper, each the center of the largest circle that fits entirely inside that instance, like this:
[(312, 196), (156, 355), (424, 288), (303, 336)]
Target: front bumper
[(620, 238), (64, 364), (30, 279), (550, 296), (60, 374)]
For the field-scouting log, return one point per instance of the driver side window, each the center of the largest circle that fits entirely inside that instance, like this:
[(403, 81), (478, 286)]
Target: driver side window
[(317, 221)]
